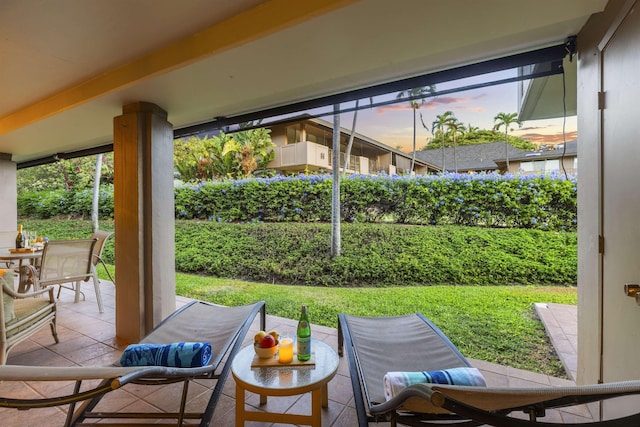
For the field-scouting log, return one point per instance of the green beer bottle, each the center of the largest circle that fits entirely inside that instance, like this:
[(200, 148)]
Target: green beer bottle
[(20, 239), (304, 336)]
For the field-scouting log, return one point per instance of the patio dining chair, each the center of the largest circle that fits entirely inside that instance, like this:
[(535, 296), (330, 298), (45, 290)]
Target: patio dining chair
[(96, 259), (378, 346), (65, 263)]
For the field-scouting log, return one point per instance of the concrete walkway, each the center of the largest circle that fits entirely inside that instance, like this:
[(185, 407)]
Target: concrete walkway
[(561, 324)]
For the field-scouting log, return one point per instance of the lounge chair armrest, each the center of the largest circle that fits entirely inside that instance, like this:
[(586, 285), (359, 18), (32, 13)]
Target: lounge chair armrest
[(420, 391), (491, 405)]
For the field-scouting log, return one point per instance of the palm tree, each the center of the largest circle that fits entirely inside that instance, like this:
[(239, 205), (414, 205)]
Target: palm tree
[(438, 126), (255, 149), (421, 92), (471, 129), (455, 127), (506, 120)]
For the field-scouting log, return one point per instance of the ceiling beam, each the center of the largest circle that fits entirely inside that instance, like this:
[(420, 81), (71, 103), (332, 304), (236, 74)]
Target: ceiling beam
[(260, 21)]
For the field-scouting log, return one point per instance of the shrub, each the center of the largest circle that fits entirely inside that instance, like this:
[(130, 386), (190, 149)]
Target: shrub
[(538, 202), (488, 200), (376, 254), (372, 254)]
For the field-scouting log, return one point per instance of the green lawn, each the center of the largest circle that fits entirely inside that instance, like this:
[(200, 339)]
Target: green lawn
[(492, 323)]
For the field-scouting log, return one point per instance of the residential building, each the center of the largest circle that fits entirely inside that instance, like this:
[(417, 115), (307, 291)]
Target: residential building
[(469, 158), (305, 144), (490, 157), (560, 158)]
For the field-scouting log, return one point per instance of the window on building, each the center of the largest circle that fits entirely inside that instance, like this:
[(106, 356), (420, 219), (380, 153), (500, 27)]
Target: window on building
[(293, 134), (540, 166)]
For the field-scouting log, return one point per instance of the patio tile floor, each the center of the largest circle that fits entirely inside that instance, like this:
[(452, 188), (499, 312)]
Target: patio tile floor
[(88, 338)]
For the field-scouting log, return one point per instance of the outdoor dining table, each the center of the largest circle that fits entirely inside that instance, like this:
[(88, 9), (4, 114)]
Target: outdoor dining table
[(10, 257)]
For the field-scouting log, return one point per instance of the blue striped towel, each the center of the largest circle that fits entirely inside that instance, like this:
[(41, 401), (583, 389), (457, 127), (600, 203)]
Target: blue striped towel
[(176, 355), (394, 382)]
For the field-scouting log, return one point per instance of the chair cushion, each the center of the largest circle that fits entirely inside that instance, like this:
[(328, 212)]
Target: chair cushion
[(7, 277), (26, 307)]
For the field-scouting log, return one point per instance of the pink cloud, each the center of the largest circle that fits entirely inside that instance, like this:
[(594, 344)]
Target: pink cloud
[(393, 107), (554, 138), (433, 103)]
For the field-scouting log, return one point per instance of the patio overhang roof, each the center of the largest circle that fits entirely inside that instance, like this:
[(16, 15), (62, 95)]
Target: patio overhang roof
[(68, 71), (542, 98)]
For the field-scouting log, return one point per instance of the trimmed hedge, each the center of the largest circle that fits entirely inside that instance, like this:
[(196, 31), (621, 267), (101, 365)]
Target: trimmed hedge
[(490, 200), (372, 254), (377, 254), (54, 203), (541, 202)]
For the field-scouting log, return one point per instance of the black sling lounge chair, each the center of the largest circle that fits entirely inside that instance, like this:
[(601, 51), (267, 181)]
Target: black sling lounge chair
[(224, 327), (377, 345)]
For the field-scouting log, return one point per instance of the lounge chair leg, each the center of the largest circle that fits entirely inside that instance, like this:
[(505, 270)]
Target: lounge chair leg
[(340, 341), (534, 413), (72, 405), (183, 402)]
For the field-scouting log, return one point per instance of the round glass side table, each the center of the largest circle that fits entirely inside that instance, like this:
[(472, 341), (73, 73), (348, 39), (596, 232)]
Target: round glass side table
[(284, 380)]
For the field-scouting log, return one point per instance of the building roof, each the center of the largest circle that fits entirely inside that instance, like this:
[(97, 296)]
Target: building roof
[(554, 153), (477, 157)]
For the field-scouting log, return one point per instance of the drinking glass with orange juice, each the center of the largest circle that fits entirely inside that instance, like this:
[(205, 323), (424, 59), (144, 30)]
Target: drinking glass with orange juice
[(285, 350)]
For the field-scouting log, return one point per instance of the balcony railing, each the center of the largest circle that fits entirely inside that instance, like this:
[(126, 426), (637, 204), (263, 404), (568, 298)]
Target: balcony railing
[(354, 161)]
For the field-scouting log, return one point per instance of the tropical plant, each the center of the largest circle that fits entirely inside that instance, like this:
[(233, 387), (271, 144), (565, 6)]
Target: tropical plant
[(470, 130), (416, 100), (65, 174), (456, 127), (235, 155), (256, 150), (506, 120), (438, 128)]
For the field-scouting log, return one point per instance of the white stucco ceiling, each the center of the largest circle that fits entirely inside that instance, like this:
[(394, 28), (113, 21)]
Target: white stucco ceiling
[(67, 67)]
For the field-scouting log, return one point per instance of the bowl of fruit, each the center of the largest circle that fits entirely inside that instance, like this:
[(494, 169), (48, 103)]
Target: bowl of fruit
[(265, 344)]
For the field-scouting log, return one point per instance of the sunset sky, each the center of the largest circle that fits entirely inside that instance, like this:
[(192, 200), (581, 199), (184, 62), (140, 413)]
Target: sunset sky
[(393, 124)]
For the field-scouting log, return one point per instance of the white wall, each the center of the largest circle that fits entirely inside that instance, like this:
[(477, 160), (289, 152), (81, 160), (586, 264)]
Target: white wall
[(8, 203)]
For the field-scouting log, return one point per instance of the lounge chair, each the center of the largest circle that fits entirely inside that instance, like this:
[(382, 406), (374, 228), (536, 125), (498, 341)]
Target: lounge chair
[(224, 327), (377, 345)]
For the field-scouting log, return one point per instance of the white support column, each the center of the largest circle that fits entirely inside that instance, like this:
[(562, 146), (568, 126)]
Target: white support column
[(8, 201)]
